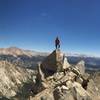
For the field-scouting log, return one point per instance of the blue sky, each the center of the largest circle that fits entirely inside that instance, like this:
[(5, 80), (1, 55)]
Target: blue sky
[(34, 24)]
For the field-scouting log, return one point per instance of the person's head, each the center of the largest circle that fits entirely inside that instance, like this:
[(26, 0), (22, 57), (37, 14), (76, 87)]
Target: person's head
[(57, 37)]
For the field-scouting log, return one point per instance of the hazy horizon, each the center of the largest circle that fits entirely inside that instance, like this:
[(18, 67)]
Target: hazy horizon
[(65, 52)]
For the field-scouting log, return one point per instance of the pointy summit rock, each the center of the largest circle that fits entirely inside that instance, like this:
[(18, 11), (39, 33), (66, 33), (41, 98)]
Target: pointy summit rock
[(55, 62), (65, 63), (81, 67)]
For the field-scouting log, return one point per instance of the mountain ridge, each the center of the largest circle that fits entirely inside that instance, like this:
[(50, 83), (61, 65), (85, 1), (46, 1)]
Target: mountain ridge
[(33, 57), (15, 51), (20, 51)]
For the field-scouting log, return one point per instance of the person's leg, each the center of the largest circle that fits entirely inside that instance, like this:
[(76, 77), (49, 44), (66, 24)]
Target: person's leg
[(56, 46)]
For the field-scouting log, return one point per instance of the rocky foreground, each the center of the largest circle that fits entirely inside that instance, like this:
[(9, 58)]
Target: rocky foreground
[(12, 79), (59, 80), (55, 79)]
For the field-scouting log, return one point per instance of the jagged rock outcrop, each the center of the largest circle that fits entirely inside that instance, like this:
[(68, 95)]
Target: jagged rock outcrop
[(63, 87), (67, 82), (65, 63), (12, 78), (81, 67)]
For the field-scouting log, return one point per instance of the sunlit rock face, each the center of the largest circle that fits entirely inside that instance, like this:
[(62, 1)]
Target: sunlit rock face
[(66, 64), (81, 67), (11, 78)]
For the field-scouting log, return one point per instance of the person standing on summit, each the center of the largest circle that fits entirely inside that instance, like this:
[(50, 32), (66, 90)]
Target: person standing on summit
[(57, 43)]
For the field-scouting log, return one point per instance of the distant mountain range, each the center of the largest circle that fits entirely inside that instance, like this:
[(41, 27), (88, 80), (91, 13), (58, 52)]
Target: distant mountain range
[(29, 58), (17, 51)]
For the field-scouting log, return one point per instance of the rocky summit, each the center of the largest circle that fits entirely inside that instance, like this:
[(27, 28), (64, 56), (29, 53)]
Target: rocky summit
[(54, 79), (53, 63), (58, 80)]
